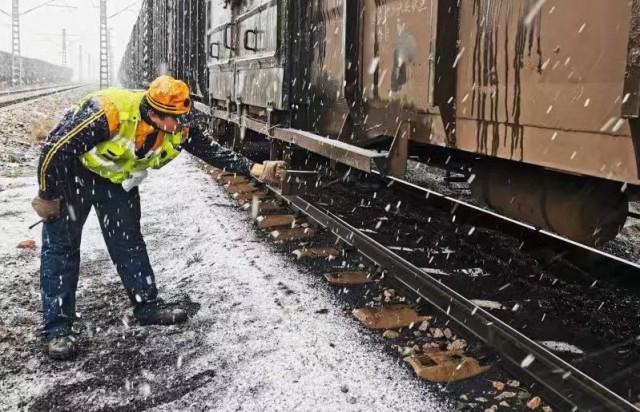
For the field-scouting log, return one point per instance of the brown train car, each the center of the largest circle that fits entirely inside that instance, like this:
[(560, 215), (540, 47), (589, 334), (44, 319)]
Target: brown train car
[(540, 98)]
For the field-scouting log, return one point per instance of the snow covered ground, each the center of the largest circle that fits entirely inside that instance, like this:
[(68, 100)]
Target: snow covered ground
[(254, 342)]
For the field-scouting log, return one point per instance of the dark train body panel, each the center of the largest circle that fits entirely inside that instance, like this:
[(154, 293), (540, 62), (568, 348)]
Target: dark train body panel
[(509, 82), (168, 37), (547, 87)]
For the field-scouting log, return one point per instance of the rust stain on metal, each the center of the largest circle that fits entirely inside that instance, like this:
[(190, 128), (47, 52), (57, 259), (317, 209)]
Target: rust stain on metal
[(490, 103)]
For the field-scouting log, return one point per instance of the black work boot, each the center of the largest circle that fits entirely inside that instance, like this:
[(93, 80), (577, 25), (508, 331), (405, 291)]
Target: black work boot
[(61, 348), (163, 316)]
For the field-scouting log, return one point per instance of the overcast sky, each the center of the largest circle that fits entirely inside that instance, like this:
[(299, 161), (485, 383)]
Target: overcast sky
[(41, 30)]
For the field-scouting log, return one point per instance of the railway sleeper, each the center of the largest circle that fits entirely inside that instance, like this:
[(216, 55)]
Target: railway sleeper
[(241, 188), (232, 179), (435, 364), (273, 221), (316, 252), (265, 207), (389, 317), (243, 198), (293, 234), (349, 278)]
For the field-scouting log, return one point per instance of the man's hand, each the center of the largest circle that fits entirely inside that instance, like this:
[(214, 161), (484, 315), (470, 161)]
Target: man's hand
[(269, 171), (48, 210)]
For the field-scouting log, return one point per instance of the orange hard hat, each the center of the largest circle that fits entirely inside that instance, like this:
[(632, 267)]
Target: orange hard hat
[(168, 95)]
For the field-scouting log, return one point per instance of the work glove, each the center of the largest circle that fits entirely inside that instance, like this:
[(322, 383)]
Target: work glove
[(270, 171), (48, 210), (134, 179)]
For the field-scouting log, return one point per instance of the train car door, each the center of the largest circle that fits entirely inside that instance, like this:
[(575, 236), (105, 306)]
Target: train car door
[(398, 45), (221, 46), (259, 73)]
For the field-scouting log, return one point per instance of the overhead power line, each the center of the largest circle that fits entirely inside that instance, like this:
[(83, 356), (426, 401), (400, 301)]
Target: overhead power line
[(47, 3), (127, 8)]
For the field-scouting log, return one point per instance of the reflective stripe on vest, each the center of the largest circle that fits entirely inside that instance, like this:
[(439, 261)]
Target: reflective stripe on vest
[(116, 159)]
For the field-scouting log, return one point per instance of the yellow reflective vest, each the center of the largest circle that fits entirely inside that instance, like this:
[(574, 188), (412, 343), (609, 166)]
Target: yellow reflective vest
[(115, 159)]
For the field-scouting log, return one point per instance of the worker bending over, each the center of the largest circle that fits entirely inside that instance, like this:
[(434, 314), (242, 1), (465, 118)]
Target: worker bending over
[(96, 157)]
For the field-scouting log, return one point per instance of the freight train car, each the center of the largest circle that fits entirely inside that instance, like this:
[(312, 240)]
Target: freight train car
[(34, 71), (541, 86), (168, 37), (539, 98)]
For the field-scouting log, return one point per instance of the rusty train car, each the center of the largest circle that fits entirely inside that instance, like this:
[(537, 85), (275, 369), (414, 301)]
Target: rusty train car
[(539, 99)]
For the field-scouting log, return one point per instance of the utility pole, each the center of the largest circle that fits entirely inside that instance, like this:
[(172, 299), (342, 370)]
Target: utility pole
[(104, 47), (16, 60), (64, 47), (89, 66), (146, 50), (110, 55), (79, 63)]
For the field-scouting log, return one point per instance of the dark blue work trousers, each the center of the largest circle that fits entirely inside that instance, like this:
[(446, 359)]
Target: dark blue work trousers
[(118, 212)]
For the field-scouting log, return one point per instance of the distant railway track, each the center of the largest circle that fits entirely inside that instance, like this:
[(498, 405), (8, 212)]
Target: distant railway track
[(26, 89), (13, 97)]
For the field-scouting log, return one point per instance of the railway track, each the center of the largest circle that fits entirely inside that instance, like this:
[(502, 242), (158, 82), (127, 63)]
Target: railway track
[(13, 97), (562, 382), (597, 263), (25, 89)]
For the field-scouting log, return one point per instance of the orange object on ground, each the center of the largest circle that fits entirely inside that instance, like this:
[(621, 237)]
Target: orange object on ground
[(27, 244)]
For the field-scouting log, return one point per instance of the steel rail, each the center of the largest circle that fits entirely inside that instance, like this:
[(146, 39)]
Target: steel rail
[(560, 383), (29, 96), (596, 260), (28, 90)]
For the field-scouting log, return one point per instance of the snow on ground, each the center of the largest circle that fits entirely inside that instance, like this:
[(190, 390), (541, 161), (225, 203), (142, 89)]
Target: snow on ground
[(254, 341)]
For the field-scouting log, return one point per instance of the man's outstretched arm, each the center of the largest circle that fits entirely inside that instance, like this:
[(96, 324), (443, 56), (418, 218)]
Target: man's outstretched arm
[(211, 152)]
